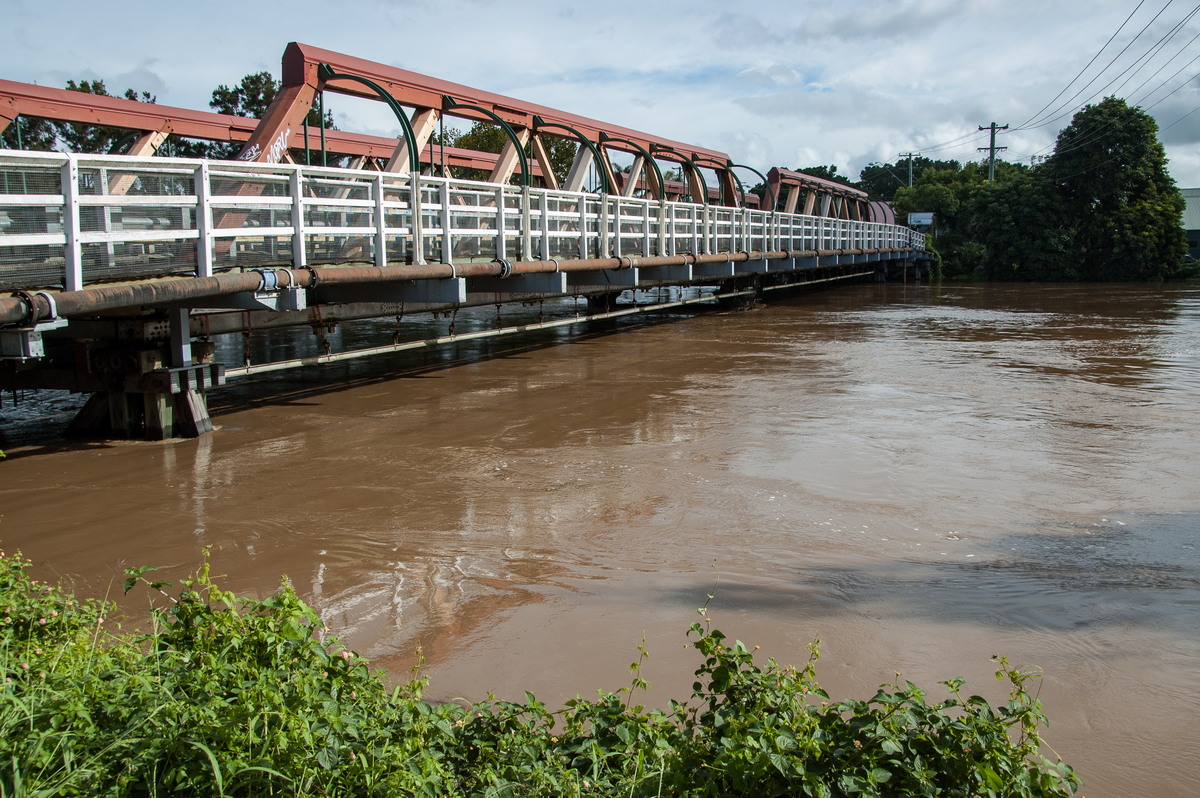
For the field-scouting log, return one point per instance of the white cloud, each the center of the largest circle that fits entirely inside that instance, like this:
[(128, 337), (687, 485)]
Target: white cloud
[(772, 83)]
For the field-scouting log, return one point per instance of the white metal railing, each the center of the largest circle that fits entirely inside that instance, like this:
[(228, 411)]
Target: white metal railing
[(72, 220)]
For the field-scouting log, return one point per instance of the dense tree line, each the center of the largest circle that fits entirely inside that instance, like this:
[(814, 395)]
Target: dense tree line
[(1101, 207)]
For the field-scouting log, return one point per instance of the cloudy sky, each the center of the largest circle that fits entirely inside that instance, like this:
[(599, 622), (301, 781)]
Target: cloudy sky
[(773, 83)]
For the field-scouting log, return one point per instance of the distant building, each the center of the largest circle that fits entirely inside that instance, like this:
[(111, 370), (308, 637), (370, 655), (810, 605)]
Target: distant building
[(1191, 220)]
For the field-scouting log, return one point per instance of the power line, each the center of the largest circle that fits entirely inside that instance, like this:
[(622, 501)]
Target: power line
[(1085, 68), (1057, 114), (1168, 80), (1180, 119), (1090, 134), (1153, 51)]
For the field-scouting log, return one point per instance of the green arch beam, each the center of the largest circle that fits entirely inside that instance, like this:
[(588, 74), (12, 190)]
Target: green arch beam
[(449, 103), (326, 73), (605, 138), (539, 124)]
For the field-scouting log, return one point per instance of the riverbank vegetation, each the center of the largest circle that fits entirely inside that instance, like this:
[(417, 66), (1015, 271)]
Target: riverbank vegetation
[(229, 696)]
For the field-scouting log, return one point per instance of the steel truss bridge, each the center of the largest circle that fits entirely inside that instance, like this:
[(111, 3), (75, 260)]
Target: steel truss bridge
[(120, 269)]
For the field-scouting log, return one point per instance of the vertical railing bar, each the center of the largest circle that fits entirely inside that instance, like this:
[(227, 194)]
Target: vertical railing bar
[(605, 241), (666, 242), (544, 207), (204, 221), (646, 229), (417, 227), (299, 245), (526, 224), (583, 227), (669, 213), (618, 216), (380, 221), (110, 248), (73, 249), (447, 236), (501, 247)]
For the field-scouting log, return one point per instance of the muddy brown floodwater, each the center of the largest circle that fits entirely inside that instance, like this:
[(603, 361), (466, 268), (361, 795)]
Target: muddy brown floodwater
[(921, 477)]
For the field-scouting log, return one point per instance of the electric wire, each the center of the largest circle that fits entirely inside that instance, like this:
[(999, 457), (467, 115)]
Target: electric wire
[(1065, 108), (1085, 68), (1149, 56), (1091, 134), (1162, 130), (1148, 94), (1041, 119)]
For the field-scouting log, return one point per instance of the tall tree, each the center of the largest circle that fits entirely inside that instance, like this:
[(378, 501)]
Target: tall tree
[(1021, 228), (29, 133), (825, 172), (489, 137), (45, 135), (949, 193), (883, 180), (1109, 173), (81, 137), (251, 98)]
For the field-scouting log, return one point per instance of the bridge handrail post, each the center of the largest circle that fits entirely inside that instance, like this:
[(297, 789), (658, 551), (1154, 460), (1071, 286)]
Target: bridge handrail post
[(544, 208), (646, 229), (583, 227), (501, 243), (605, 242), (204, 220), (665, 241), (618, 215), (417, 223), (72, 247), (380, 221), (526, 223), (710, 230), (299, 245), (671, 241), (447, 235)]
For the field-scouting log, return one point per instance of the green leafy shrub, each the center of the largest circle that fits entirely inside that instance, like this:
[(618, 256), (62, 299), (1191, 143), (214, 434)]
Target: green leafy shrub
[(229, 696)]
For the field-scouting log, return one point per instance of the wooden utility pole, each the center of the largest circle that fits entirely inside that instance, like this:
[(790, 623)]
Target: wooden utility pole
[(909, 156), (992, 150)]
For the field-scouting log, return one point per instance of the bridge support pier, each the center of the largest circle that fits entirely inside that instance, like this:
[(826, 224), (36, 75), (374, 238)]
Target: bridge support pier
[(602, 303), (153, 415), (146, 376), (155, 405)]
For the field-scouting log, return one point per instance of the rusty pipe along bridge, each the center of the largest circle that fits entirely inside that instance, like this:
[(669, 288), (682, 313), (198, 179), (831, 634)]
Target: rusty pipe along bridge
[(119, 270)]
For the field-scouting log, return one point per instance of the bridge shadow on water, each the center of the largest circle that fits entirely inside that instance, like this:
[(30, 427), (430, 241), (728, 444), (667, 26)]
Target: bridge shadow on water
[(293, 387), (1143, 571), (34, 423)]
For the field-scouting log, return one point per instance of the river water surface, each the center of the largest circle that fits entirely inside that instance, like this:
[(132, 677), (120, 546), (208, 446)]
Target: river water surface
[(920, 477)]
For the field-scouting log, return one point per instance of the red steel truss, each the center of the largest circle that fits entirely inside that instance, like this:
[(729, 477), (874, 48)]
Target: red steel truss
[(155, 122), (308, 70)]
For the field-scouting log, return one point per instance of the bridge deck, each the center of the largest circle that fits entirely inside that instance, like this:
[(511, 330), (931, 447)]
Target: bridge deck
[(70, 221), (121, 268)]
